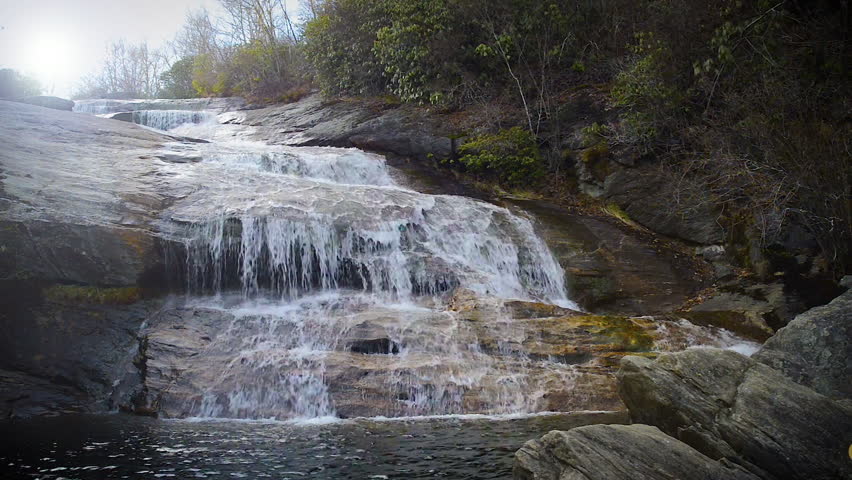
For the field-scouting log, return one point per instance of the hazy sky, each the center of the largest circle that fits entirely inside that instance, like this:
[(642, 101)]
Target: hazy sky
[(58, 41)]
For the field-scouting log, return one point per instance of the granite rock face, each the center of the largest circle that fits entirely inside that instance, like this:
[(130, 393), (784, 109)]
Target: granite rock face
[(312, 121), (741, 417), (79, 200), (640, 192), (815, 349), (728, 406), (55, 103), (618, 452)]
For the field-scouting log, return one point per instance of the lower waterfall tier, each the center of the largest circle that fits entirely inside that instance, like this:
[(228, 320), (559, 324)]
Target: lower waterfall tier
[(346, 354)]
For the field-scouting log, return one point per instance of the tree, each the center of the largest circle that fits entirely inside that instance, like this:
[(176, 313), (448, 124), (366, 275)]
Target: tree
[(129, 71), (14, 84), (176, 82)]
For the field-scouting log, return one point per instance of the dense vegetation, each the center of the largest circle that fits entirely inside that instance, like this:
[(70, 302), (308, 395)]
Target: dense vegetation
[(742, 104)]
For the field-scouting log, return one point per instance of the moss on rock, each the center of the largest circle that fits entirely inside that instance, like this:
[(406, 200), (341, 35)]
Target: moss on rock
[(92, 295)]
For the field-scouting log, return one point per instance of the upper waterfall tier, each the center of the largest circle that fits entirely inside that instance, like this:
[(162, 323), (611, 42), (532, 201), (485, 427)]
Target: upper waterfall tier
[(290, 220), (103, 106), (301, 230)]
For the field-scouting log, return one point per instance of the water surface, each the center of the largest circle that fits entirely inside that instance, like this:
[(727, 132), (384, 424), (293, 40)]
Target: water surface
[(121, 446)]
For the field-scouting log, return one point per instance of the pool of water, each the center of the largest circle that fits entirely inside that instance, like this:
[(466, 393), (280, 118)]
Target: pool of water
[(122, 446)]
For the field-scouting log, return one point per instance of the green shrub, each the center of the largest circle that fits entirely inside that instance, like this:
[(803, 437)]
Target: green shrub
[(177, 81), (512, 155), (649, 93)]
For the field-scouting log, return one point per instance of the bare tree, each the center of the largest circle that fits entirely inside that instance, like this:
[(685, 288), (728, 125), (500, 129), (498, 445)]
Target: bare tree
[(128, 71)]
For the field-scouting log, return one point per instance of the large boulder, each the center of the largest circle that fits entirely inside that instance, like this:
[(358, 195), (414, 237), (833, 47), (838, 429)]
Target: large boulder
[(615, 452), (728, 406), (641, 193), (815, 349), (735, 312)]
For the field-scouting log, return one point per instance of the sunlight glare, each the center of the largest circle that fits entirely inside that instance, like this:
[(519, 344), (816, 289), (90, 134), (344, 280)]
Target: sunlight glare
[(52, 57)]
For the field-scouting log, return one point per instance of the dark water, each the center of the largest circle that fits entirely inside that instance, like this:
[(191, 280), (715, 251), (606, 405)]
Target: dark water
[(120, 446)]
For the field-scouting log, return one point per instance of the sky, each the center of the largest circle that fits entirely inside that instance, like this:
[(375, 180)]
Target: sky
[(59, 41)]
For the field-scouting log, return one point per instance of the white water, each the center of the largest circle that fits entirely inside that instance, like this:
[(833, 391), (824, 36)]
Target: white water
[(169, 119)]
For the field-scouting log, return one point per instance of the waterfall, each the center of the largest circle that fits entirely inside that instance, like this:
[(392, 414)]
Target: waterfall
[(169, 119), (326, 271), (96, 107)]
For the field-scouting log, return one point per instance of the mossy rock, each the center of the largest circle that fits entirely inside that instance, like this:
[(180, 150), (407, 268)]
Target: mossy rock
[(616, 332), (599, 151), (77, 294)]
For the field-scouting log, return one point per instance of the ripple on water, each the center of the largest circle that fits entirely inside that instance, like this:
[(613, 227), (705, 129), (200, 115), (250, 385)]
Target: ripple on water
[(473, 447)]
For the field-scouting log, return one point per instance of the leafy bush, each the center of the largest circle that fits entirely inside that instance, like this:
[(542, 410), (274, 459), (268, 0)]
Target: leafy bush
[(512, 155), (177, 81), (339, 46), (648, 92)]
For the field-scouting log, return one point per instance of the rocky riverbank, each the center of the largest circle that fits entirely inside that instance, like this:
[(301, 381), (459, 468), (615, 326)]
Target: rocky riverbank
[(785, 413)]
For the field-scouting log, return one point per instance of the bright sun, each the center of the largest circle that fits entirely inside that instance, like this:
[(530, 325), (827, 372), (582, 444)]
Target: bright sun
[(52, 58)]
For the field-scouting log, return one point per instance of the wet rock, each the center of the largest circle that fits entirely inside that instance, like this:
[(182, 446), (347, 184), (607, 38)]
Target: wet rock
[(728, 406), (63, 353), (60, 228), (121, 116), (610, 269), (612, 452), (642, 194), (55, 103), (23, 395), (382, 346), (815, 349), (363, 359), (753, 310), (178, 157), (735, 312)]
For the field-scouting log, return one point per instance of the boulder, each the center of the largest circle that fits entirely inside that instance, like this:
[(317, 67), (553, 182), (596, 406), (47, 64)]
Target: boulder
[(735, 312), (815, 349), (614, 452), (642, 193), (728, 406), (55, 103)]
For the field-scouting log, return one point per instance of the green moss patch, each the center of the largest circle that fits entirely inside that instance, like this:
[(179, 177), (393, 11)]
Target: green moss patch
[(92, 295), (620, 333)]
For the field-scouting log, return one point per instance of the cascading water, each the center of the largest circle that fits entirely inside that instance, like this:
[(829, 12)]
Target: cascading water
[(321, 287), (169, 119), (325, 252)]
